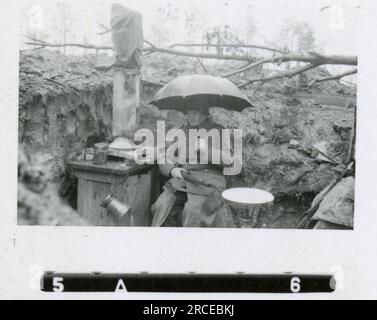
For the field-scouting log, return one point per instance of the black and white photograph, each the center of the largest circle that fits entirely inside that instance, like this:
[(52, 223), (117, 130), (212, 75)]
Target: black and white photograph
[(171, 116), (188, 150)]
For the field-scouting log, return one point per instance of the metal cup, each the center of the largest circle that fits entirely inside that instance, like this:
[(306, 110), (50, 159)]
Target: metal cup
[(114, 207)]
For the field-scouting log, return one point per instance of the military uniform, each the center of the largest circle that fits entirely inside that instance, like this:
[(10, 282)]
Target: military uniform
[(194, 203)]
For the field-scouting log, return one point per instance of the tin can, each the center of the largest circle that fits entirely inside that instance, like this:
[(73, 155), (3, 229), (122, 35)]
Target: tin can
[(100, 153), (89, 153)]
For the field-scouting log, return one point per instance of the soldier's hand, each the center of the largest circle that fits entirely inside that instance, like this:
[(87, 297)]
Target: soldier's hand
[(177, 173)]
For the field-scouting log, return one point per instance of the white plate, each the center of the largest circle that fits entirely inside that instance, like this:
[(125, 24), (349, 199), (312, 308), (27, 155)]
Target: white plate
[(247, 195)]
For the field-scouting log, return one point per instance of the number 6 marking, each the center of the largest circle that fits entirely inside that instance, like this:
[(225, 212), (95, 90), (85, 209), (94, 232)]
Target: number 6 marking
[(295, 285), (57, 283)]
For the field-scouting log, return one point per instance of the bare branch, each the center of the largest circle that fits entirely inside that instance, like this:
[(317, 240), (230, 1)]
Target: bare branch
[(34, 39), (313, 58), (105, 28), (335, 77), (80, 45), (33, 49), (199, 55), (316, 59), (301, 70), (148, 51), (225, 46), (202, 65), (247, 67), (42, 44), (289, 74)]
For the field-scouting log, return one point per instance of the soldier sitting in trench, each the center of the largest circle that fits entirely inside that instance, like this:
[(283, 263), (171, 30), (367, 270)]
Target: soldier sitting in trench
[(193, 204)]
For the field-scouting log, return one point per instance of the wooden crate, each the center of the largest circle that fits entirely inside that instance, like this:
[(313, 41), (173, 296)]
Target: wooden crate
[(135, 185)]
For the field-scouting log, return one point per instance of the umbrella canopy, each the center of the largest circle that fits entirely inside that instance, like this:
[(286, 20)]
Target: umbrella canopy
[(201, 91)]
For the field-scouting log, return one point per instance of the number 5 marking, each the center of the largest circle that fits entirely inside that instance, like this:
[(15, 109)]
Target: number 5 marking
[(57, 283), (295, 284)]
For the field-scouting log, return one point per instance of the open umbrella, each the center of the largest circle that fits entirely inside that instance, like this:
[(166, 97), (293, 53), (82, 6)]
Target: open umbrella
[(201, 91)]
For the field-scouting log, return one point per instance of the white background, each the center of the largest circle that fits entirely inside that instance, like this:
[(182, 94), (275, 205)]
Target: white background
[(109, 249)]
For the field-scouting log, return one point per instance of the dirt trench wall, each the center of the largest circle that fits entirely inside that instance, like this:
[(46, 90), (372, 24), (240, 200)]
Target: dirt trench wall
[(61, 124), (53, 129), (56, 128), (268, 161)]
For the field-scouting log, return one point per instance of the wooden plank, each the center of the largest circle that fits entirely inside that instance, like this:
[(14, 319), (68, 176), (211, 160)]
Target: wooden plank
[(110, 167), (140, 199), (81, 194), (134, 190), (99, 215), (100, 177), (120, 192)]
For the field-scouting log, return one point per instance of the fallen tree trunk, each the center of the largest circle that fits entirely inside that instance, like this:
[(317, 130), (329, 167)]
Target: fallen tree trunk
[(312, 58), (200, 55), (152, 49), (335, 77), (225, 46)]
